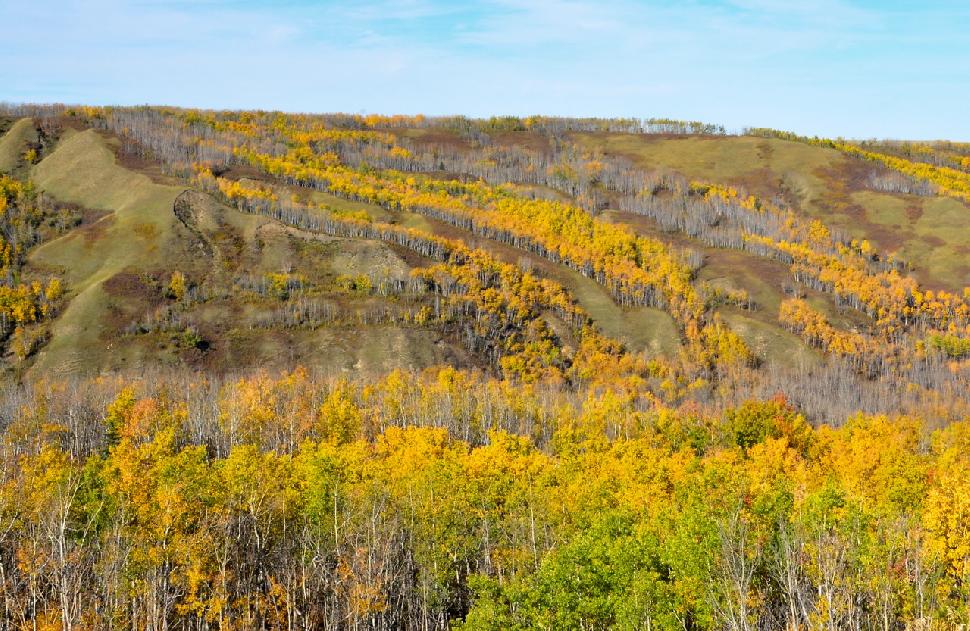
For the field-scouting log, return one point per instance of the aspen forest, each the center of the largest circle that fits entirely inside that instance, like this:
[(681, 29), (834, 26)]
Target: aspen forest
[(267, 370)]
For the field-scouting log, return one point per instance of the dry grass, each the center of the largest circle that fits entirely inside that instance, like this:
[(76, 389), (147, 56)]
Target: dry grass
[(138, 232), (140, 237), (930, 233)]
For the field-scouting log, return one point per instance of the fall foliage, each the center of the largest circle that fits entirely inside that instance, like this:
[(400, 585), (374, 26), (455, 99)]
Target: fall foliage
[(560, 478), (418, 499)]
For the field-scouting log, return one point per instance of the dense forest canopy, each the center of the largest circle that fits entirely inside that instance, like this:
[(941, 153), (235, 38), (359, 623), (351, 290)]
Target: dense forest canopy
[(279, 371)]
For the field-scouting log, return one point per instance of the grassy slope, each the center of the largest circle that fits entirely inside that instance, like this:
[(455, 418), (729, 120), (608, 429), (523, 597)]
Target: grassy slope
[(14, 143), (768, 167), (375, 212), (761, 278), (928, 232), (137, 232), (141, 235), (641, 329), (931, 233)]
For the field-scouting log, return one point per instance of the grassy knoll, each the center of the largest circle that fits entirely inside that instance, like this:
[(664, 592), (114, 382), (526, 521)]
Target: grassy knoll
[(770, 341), (138, 231), (822, 183), (116, 267)]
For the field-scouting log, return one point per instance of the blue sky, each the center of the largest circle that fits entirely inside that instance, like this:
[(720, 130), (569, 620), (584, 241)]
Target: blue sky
[(832, 67)]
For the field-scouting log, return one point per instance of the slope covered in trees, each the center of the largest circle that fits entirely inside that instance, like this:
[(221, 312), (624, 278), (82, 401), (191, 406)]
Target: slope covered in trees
[(864, 199), (412, 501), (269, 370)]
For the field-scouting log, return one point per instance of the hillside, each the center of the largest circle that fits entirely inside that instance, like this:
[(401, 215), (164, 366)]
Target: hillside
[(118, 268), (263, 289), (845, 193), (278, 371)]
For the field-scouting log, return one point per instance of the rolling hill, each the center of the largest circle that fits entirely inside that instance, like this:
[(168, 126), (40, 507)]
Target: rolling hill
[(265, 290), (278, 371)]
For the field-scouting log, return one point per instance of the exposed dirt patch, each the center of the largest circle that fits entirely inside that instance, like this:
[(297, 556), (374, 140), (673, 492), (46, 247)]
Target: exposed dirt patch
[(242, 172), (131, 156), (411, 258), (914, 210), (763, 182), (71, 122), (115, 318), (727, 261), (127, 284), (131, 295), (765, 151), (95, 231), (523, 139), (204, 353), (430, 137), (852, 174), (887, 238)]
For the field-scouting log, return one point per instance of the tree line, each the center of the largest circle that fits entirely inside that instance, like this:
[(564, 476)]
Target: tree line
[(448, 499)]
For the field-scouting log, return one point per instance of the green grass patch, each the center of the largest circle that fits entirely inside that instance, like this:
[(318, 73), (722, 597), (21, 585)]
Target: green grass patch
[(375, 212), (771, 342), (941, 255), (639, 328), (929, 233), (138, 232), (761, 165)]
